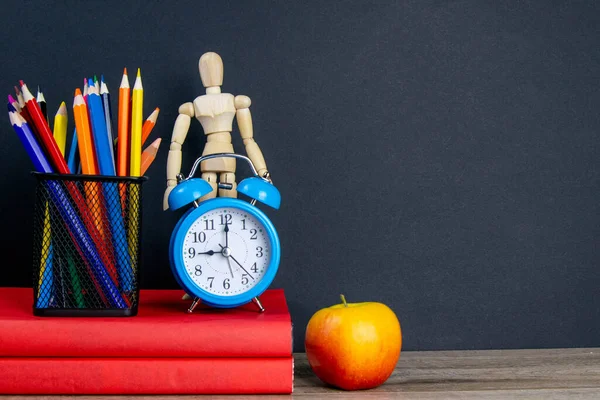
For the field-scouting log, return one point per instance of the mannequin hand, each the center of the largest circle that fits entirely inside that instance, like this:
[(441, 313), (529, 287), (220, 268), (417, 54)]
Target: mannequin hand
[(166, 197)]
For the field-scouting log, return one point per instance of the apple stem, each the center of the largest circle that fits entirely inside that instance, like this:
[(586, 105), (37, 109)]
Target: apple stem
[(343, 300)]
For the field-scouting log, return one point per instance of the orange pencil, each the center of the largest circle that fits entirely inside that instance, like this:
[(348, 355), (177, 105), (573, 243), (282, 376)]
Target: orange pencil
[(84, 135), (149, 125), (149, 154), (123, 127)]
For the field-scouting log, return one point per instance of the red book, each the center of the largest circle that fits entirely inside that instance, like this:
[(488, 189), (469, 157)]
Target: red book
[(146, 375), (162, 328)]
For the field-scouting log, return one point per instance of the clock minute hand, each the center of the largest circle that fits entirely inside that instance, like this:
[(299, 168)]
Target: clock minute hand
[(236, 261), (226, 234)]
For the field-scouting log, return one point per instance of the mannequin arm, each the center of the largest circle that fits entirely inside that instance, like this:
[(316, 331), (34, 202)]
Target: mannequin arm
[(180, 131), (244, 121)]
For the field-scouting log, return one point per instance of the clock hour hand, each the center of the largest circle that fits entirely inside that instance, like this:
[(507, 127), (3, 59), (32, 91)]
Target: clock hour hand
[(210, 252)]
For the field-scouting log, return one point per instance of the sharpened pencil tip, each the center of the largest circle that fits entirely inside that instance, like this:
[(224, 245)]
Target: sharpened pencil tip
[(77, 92), (101, 78), (139, 73), (125, 71), (11, 99), (17, 91), (11, 108), (21, 83)]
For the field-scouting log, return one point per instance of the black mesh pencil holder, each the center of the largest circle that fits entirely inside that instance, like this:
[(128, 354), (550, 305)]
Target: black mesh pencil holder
[(86, 245)]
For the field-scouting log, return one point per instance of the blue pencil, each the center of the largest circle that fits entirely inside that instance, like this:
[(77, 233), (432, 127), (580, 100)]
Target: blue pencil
[(104, 152), (68, 213), (73, 153), (106, 166)]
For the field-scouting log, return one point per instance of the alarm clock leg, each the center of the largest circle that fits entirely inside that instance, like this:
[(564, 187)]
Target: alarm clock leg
[(256, 301), (194, 304)]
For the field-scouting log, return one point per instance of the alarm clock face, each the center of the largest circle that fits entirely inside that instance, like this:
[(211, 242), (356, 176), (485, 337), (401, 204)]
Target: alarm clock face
[(226, 251)]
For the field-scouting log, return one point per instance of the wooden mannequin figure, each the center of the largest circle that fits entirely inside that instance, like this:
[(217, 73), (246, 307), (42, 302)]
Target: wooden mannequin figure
[(215, 111)]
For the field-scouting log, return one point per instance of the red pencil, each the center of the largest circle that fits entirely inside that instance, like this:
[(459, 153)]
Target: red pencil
[(44, 132)]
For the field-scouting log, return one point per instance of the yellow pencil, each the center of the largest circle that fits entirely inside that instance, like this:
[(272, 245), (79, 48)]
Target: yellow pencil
[(137, 104), (60, 127)]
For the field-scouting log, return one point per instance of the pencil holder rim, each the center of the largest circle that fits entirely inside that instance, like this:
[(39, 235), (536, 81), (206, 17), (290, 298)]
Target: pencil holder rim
[(44, 176)]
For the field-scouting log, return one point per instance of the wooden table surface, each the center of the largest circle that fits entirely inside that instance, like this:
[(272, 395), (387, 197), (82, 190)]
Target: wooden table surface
[(494, 374)]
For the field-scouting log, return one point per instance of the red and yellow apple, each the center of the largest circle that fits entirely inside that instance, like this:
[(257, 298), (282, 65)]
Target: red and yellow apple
[(353, 346)]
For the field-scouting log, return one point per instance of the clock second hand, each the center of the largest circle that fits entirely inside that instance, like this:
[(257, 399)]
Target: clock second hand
[(236, 261), (230, 269)]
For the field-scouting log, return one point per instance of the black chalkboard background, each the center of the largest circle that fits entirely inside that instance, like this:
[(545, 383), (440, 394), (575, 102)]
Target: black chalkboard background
[(442, 157)]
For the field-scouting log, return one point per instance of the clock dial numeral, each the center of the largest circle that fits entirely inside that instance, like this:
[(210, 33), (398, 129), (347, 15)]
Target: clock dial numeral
[(199, 237), (231, 272), (226, 219)]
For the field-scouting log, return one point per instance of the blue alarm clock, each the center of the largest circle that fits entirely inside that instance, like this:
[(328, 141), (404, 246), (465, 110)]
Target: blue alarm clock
[(224, 252)]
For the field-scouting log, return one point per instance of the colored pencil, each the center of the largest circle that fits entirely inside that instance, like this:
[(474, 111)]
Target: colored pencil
[(85, 89), (105, 95), (14, 103), (75, 282), (23, 110), (46, 277), (60, 128), (61, 199), (149, 155), (103, 146), (19, 97), (149, 125), (87, 155), (73, 152), (123, 127), (43, 130), (137, 103), (42, 103)]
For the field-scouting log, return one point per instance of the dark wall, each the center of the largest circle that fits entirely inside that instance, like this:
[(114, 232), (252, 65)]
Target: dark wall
[(442, 157)]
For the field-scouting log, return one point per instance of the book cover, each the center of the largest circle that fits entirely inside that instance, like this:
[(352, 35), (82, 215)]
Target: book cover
[(22, 375), (162, 328)]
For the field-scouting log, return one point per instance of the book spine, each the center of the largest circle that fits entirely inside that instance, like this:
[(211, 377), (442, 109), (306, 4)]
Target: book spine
[(146, 376), (96, 338)]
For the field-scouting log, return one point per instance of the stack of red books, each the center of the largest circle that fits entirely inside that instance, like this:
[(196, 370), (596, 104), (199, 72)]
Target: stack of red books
[(163, 350)]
